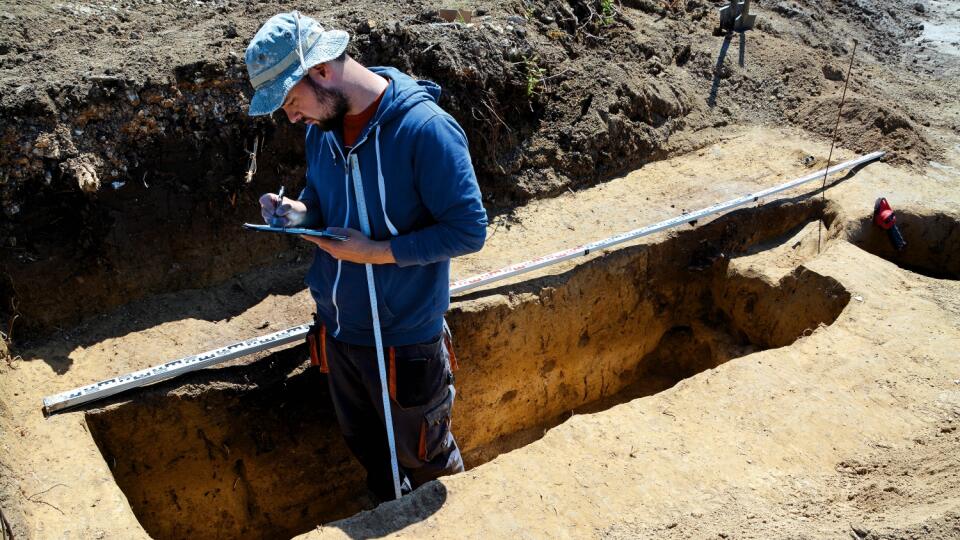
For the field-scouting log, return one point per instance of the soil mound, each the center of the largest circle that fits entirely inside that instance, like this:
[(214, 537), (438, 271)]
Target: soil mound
[(867, 125)]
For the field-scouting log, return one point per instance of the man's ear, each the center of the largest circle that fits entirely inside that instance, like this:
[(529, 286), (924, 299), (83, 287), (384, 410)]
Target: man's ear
[(320, 72)]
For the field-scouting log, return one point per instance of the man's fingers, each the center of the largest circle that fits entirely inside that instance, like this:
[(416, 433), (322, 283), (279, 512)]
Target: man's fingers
[(269, 200), (267, 214), (348, 233), (268, 205), (321, 243)]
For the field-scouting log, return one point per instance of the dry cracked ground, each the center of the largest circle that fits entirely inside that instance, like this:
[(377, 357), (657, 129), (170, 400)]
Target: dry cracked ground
[(778, 371)]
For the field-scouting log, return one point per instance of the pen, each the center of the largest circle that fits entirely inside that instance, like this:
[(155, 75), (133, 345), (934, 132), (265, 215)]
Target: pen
[(276, 219)]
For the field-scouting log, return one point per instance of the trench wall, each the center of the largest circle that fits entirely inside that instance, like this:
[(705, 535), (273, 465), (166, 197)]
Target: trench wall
[(255, 451)]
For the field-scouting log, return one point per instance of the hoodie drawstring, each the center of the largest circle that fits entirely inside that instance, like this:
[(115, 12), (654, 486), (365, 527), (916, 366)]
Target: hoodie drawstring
[(330, 146), (383, 192), (336, 281)]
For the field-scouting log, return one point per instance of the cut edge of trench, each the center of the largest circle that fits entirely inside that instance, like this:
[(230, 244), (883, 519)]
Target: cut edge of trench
[(259, 442)]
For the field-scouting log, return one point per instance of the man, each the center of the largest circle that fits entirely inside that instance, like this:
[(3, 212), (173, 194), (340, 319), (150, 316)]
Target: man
[(379, 131)]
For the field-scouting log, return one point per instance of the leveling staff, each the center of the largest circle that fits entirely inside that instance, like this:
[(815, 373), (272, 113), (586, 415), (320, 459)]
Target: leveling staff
[(424, 207)]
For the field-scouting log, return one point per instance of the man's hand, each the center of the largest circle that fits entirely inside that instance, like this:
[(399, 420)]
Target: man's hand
[(285, 213), (357, 248)]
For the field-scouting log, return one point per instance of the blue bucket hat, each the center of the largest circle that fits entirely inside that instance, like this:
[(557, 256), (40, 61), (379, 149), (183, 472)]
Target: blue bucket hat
[(280, 54)]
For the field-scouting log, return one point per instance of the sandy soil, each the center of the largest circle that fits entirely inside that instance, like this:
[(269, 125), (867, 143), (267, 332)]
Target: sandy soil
[(853, 432)]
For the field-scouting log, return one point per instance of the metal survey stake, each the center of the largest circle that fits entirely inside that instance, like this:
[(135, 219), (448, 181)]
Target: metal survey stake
[(102, 389), (833, 140), (736, 17)]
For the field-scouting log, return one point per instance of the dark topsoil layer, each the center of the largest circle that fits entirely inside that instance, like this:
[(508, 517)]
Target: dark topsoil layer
[(124, 128)]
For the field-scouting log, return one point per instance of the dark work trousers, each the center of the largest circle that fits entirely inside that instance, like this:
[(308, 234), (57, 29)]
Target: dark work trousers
[(421, 406)]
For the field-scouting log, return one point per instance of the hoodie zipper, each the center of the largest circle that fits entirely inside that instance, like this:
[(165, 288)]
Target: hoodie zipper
[(346, 176)]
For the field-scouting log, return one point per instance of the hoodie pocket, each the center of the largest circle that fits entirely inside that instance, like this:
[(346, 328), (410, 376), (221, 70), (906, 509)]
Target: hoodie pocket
[(353, 299), (411, 294), (387, 316), (320, 278)]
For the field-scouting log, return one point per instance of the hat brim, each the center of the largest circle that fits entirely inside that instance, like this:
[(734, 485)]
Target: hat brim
[(270, 97)]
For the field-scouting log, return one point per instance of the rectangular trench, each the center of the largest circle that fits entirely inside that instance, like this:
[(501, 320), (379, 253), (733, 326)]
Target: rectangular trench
[(254, 450)]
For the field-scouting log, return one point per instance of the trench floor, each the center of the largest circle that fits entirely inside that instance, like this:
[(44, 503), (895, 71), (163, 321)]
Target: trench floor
[(759, 445)]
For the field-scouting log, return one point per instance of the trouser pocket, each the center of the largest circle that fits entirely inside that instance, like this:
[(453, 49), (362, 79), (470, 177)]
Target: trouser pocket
[(317, 342), (418, 374), (435, 428)]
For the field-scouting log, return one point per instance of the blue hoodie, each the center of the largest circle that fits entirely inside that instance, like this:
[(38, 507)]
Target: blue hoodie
[(421, 194)]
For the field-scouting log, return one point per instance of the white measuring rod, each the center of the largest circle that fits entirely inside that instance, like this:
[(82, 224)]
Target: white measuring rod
[(364, 220), (109, 387)]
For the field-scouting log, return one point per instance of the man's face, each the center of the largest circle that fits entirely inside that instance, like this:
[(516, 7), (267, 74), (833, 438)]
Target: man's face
[(314, 104)]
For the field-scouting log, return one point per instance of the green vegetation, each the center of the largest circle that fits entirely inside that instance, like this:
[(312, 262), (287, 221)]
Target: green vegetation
[(535, 75), (607, 12)]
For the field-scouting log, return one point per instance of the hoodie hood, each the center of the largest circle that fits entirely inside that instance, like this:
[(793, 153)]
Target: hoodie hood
[(403, 93)]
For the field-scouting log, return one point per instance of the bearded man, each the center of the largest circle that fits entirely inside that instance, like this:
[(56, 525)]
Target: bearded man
[(381, 155)]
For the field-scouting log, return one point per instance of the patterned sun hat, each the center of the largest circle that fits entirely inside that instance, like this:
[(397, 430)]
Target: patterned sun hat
[(280, 54)]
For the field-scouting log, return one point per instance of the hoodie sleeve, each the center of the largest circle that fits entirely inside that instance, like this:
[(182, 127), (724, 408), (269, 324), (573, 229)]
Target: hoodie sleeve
[(448, 188)]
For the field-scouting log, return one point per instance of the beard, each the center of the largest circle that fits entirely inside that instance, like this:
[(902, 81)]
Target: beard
[(335, 100)]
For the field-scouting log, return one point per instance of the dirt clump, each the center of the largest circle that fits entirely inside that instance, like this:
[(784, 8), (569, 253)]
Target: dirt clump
[(833, 73)]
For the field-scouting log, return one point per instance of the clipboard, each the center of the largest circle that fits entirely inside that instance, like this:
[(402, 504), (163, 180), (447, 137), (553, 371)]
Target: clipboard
[(295, 230)]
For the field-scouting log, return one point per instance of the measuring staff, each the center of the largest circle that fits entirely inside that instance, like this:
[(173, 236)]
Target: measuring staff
[(390, 170)]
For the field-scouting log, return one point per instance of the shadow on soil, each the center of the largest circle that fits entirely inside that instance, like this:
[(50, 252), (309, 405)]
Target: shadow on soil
[(718, 71), (218, 303)]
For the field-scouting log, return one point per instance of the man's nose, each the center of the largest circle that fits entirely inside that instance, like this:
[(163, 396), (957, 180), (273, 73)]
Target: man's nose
[(290, 116)]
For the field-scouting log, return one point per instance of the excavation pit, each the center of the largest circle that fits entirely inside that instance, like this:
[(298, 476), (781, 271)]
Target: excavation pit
[(933, 242), (254, 450)]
